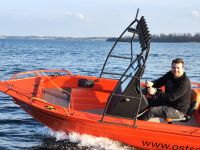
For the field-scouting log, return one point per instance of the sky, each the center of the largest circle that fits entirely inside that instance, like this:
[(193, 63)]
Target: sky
[(95, 18)]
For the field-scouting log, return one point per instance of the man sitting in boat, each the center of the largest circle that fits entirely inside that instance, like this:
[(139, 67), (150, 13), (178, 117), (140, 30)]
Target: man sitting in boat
[(175, 102)]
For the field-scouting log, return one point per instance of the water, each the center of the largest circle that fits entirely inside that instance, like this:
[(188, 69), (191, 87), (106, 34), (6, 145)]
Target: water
[(86, 57)]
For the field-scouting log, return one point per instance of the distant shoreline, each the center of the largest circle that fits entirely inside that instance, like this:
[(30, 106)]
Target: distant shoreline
[(153, 40), (162, 38), (51, 38), (170, 38)]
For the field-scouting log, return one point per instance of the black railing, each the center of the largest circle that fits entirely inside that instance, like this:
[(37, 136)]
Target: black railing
[(132, 75)]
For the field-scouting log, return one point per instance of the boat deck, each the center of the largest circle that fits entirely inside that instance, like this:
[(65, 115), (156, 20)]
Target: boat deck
[(192, 122)]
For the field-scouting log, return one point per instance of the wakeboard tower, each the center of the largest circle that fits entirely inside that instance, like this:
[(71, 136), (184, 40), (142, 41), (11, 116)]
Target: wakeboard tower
[(127, 99)]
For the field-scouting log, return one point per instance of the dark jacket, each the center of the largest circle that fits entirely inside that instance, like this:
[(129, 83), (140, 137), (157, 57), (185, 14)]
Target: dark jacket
[(177, 91)]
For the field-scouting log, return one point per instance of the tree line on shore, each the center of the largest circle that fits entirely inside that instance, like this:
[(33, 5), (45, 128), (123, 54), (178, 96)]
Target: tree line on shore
[(171, 38)]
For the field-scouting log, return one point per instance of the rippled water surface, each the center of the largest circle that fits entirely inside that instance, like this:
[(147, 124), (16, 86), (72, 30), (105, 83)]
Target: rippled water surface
[(86, 57)]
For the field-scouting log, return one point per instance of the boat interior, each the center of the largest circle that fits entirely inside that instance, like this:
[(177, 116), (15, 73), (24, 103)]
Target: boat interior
[(86, 94)]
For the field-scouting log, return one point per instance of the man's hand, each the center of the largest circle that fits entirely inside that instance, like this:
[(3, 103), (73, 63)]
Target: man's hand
[(151, 90), (149, 84)]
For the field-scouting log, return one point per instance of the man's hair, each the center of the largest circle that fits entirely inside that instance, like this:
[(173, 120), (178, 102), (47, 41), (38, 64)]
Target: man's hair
[(178, 60)]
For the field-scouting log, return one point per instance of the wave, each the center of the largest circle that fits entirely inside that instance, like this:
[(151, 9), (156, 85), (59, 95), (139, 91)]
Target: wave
[(80, 141)]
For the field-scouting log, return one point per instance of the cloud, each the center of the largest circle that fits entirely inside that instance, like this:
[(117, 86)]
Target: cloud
[(76, 15), (195, 13)]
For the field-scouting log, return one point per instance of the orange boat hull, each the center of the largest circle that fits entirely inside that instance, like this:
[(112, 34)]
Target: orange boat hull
[(76, 118), (145, 135)]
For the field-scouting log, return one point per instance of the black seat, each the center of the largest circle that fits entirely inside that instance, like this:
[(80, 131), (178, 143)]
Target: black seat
[(195, 101)]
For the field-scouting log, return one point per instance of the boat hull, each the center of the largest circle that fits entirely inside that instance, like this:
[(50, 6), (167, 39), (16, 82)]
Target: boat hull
[(145, 135), (32, 95)]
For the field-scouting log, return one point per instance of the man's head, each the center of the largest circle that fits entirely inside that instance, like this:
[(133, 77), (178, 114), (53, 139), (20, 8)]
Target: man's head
[(177, 67)]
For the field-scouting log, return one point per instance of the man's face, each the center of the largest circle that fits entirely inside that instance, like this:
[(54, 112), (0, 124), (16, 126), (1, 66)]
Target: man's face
[(177, 70)]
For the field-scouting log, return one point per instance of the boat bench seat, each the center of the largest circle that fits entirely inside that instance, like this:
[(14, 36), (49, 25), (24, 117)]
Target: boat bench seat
[(194, 105)]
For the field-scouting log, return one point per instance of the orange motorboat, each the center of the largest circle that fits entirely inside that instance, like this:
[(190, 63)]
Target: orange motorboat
[(108, 105)]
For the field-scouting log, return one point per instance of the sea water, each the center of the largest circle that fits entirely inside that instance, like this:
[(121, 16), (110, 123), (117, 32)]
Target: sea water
[(19, 131)]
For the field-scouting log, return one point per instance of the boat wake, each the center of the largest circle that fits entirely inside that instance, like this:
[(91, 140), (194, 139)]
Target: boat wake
[(82, 142)]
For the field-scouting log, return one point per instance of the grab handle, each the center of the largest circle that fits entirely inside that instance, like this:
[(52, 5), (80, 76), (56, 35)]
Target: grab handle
[(40, 73)]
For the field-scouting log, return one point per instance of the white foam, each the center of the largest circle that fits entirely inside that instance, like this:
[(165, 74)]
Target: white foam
[(95, 143)]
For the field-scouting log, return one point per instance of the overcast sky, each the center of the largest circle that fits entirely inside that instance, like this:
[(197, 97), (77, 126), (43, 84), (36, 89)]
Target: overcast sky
[(95, 18)]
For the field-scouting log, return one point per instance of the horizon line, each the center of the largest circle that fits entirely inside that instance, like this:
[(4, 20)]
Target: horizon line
[(52, 36)]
